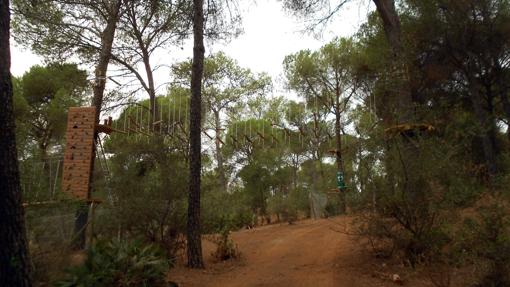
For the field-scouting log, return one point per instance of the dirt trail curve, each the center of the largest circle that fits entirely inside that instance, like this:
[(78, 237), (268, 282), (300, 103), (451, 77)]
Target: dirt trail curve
[(308, 253)]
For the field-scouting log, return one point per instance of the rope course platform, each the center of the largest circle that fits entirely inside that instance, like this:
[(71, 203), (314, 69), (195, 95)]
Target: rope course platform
[(54, 202), (409, 129)]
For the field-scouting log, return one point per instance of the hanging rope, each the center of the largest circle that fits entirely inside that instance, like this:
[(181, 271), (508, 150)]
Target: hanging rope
[(149, 116), (179, 114), (186, 112), (161, 116), (56, 179), (169, 114)]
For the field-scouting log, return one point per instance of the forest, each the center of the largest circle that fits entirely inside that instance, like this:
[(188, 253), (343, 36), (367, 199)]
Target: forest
[(385, 153)]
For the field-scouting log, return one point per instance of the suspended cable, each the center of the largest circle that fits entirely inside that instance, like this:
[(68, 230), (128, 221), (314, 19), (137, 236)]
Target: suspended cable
[(160, 120), (179, 107), (186, 112), (169, 115), (173, 114), (49, 179), (149, 117), (56, 179)]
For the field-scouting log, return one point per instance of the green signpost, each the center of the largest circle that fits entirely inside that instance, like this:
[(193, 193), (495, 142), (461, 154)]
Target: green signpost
[(340, 181)]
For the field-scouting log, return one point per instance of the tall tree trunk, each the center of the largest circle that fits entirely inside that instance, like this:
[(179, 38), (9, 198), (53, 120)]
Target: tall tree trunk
[(392, 29), (408, 151), (489, 149), (315, 212), (194, 251), (152, 90), (14, 262), (338, 152), (219, 157), (295, 163), (391, 22), (105, 54)]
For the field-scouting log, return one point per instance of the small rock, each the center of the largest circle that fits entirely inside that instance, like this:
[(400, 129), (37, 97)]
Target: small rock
[(396, 279)]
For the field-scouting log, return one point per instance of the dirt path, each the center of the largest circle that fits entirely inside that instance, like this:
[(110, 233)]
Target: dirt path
[(308, 253)]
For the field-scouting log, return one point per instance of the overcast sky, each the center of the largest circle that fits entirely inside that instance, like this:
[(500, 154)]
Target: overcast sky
[(269, 35)]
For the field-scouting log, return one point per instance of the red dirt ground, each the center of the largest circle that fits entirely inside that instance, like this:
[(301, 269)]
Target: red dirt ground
[(308, 253)]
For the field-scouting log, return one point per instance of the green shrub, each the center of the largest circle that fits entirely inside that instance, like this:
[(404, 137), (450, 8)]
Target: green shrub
[(225, 247), (286, 206), (225, 210), (414, 231), (119, 263), (486, 240)]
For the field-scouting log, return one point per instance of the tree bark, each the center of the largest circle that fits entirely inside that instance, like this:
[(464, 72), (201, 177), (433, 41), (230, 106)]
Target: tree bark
[(391, 22), (338, 152), (194, 249), (316, 160), (152, 91), (314, 208), (219, 157), (14, 262), (483, 116), (105, 55), (408, 152)]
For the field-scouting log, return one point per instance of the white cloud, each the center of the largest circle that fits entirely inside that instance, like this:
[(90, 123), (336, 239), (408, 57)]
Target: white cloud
[(22, 60)]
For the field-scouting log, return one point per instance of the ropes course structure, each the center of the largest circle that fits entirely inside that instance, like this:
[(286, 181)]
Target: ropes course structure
[(65, 179), (171, 124)]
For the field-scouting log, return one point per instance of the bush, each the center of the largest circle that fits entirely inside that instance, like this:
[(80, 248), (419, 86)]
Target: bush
[(225, 210), (486, 240), (226, 248), (118, 263), (413, 208), (149, 187), (416, 233), (286, 206)]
